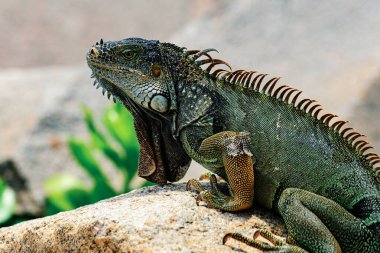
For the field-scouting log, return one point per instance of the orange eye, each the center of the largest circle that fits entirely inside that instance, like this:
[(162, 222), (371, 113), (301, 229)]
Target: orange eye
[(156, 70)]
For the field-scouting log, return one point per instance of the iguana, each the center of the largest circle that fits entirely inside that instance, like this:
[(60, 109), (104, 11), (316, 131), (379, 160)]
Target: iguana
[(272, 148)]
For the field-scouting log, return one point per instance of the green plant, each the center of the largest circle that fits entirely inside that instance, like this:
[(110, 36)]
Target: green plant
[(117, 142), (7, 202)]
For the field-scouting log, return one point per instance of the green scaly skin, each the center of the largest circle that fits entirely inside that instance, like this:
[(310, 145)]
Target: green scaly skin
[(270, 148)]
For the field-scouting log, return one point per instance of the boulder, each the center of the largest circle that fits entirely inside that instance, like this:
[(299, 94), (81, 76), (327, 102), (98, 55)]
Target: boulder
[(151, 219)]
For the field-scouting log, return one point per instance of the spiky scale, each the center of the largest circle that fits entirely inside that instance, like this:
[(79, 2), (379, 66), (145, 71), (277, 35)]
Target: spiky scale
[(191, 52), (284, 92), (245, 77), (365, 149), (217, 72), (272, 86), (354, 137), (278, 90), (269, 83), (306, 107), (299, 105), (360, 144), (248, 81), (294, 100), (370, 155), (345, 131), (204, 53), (242, 77), (214, 63), (287, 98), (313, 108), (338, 125), (316, 113), (202, 62), (324, 117), (373, 162), (373, 158), (260, 80), (328, 119)]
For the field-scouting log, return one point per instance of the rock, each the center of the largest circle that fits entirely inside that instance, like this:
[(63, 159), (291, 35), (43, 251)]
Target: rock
[(152, 219)]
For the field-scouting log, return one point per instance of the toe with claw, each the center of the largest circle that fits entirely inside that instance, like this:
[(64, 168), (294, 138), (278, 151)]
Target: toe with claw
[(278, 246)]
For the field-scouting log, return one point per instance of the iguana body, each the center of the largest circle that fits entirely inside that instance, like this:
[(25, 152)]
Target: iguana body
[(271, 148)]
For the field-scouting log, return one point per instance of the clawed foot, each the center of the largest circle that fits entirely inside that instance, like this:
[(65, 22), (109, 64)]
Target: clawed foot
[(279, 246), (213, 197), (199, 188)]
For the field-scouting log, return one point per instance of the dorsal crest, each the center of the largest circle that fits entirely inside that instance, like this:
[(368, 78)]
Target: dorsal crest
[(262, 83)]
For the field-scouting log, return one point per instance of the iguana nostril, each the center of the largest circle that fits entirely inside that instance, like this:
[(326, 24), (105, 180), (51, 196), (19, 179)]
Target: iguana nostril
[(94, 52)]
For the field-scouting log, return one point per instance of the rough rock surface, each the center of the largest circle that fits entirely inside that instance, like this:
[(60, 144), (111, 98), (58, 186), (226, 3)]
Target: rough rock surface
[(152, 219)]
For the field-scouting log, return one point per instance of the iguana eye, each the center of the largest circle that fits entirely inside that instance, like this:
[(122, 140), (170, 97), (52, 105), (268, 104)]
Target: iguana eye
[(128, 54)]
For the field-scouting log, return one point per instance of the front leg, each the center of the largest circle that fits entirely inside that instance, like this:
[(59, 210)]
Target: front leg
[(228, 153)]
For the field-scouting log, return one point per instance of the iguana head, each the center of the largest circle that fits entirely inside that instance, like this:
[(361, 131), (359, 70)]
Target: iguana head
[(133, 68), (140, 75)]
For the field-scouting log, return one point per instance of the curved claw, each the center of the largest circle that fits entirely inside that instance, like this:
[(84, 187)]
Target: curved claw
[(269, 236), (198, 199), (188, 185), (226, 237), (195, 183), (280, 247)]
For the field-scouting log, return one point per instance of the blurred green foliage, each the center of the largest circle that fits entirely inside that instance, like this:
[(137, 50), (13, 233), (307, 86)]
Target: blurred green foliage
[(116, 142), (7, 202)]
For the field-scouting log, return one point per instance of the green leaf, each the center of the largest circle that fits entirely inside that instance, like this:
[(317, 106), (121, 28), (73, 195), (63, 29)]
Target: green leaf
[(106, 148), (119, 123), (99, 141), (7, 202), (88, 119), (83, 154), (65, 192)]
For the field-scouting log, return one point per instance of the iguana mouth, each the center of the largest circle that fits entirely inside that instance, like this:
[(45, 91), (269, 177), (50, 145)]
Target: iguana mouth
[(118, 68), (92, 62)]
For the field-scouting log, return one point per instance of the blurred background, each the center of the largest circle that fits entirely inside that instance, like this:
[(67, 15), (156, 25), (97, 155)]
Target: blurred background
[(54, 152)]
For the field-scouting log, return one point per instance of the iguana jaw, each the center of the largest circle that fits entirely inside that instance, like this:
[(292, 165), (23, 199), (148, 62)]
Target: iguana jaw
[(93, 64)]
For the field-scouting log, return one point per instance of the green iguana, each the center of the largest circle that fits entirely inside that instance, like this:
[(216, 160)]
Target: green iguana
[(271, 148)]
